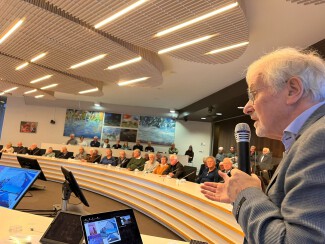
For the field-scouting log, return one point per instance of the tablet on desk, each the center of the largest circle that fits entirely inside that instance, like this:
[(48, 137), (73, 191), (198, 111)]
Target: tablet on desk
[(64, 229), (111, 227)]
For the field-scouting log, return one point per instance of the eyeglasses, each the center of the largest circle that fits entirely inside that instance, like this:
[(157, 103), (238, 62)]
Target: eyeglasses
[(252, 93)]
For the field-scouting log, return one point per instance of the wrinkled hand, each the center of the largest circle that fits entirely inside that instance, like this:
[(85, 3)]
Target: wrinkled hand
[(227, 192)]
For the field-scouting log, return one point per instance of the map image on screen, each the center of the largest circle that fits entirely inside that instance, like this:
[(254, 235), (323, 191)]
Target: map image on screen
[(14, 182)]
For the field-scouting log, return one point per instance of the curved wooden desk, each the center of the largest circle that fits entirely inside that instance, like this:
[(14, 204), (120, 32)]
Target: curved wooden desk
[(179, 206)]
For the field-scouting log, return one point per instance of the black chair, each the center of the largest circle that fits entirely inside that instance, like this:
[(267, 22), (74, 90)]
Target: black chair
[(57, 153), (190, 173), (42, 151), (70, 154)]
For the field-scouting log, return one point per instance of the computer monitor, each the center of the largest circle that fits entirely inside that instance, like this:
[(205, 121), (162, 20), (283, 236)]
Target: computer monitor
[(30, 163), (14, 182), (71, 185)]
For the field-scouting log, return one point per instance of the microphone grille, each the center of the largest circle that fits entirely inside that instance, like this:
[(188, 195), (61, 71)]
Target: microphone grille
[(242, 132)]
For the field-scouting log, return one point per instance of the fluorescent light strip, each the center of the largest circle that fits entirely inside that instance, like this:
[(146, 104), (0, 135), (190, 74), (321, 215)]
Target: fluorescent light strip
[(2, 93), (124, 83), (200, 18), (115, 66), (40, 79), (88, 61), (185, 44), (15, 27), (228, 48), (120, 13), (49, 86), (22, 66), (88, 91), (31, 91), (38, 57), (11, 89), (39, 96)]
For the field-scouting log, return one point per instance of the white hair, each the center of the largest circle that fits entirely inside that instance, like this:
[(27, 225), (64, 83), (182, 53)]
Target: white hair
[(279, 66)]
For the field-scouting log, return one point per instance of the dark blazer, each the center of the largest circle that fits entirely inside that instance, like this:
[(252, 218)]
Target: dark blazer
[(123, 162), (292, 210), (36, 151), (264, 163), (21, 150), (177, 169)]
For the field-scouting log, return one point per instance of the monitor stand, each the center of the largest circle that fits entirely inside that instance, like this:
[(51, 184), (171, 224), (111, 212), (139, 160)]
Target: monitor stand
[(37, 187)]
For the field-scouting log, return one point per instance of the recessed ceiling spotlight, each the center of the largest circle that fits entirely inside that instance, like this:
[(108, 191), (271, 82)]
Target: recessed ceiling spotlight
[(240, 107), (203, 118), (219, 114), (97, 104), (172, 111)]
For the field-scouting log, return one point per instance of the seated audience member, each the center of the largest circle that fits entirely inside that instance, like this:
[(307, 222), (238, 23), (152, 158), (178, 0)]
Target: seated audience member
[(109, 159), (146, 157), (149, 148), (227, 167), (138, 146), (158, 157), (220, 155), (203, 166), (190, 154), (93, 157), (72, 140), (173, 149), (8, 148), (20, 149), (176, 169), (126, 146), (82, 142), (64, 153), (136, 162), (162, 166), (49, 153), (117, 145), (95, 142), (210, 173), (151, 164), (105, 144), (34, 150), (81, 155), (122, 160)]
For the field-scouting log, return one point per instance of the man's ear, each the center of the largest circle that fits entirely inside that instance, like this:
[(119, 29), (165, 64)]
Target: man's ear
[(295, 90)]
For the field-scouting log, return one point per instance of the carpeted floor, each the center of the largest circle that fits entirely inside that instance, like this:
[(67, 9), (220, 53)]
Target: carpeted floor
[(45, 199)]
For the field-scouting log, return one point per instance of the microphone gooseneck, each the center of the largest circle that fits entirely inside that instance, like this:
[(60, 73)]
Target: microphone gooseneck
[(243, 136)]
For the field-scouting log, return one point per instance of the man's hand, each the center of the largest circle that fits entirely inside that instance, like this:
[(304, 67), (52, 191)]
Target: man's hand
[(227, 192)]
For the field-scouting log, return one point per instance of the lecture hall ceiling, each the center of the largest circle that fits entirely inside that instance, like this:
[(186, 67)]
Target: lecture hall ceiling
[(67, 32)]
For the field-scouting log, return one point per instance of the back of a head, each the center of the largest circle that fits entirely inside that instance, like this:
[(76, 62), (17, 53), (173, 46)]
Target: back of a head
[(279, 66)]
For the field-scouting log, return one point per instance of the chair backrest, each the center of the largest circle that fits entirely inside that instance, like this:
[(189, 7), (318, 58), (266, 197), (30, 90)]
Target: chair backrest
[(191, 172), (42, 151)]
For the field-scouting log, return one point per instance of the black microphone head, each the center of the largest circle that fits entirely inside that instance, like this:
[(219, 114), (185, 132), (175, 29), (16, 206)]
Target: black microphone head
[(242, 132)]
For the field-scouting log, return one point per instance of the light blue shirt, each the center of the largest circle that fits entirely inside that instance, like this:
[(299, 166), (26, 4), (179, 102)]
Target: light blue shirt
[(290, 133)]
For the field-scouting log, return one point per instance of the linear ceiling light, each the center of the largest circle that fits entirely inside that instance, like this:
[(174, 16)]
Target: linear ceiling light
[(88, 91), (22, 66), (31, 91), (11, 30), (38, 57), (42, 78), (185, 44), (2, 93), (88, 61), (228, 48), (11, 89), (120, 13), (39, 96), (115, 66), (198, 19), (124, 83), (49, 86)]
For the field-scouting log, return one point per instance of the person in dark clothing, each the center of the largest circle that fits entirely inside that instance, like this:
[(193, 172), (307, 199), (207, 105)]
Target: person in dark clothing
[(190, 154), (210, 173), (176, 169)]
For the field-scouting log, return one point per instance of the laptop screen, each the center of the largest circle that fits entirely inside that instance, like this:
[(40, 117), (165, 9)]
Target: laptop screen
[(111, 227)]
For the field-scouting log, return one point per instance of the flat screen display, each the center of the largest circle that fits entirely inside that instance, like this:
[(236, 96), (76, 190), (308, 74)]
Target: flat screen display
[(14, 182), (119, 227)]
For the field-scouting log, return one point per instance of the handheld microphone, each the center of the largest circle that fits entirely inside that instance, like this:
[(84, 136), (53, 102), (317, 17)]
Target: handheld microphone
[(243, 136)]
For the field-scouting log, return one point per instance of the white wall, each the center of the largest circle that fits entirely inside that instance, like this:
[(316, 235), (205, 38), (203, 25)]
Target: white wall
[(197, 134)]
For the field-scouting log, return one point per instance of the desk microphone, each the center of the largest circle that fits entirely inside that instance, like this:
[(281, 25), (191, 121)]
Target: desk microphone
[(243, 136), (188, 175)]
